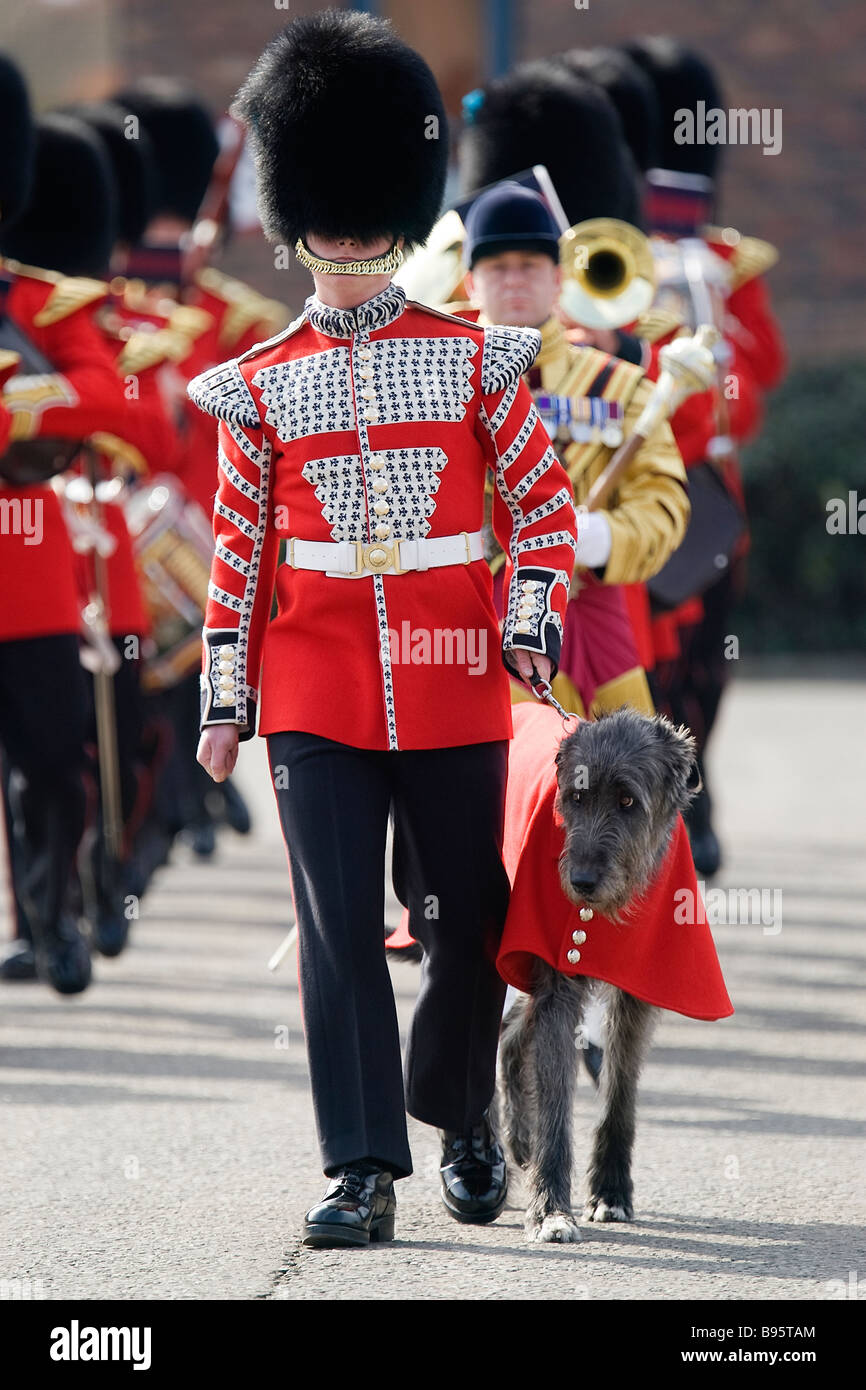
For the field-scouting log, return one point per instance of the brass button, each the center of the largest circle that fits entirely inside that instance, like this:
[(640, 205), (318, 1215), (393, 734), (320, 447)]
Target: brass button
[(366, 374), (377, 463), (586, 914), (524, 612), (379, 558), (227, 651), (522, 626), (578, 937), (365, 354), (573, 957), (380, 485), (369, 393), (381, 508), (382, 531)]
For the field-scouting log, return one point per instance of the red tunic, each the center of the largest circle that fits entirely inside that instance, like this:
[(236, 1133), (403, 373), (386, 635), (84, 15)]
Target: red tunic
[(314, 423), (83, 395), (651, 953)]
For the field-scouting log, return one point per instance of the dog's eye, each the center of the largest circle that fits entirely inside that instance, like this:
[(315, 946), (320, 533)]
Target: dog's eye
[(626, 801)]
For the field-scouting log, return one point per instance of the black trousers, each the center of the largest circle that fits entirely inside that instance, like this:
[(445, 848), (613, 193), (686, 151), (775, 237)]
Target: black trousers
[(43, 721), (447, 807)]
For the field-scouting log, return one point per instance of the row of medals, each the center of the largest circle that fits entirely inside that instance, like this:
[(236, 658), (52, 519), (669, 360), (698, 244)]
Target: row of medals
[(607, 432)]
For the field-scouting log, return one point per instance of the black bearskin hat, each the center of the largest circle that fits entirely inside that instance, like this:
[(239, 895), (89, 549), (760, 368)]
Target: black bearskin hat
[(18, 144), (183, 137), (348, 130), (132, 163), (681, 79), (540, 113), (70, 221), (631, 92)]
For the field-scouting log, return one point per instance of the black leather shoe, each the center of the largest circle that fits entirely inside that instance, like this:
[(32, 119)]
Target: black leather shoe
[(235, 810), (358, 1207), (18, 961), (63, 958), (706, 850), (473, 1174)]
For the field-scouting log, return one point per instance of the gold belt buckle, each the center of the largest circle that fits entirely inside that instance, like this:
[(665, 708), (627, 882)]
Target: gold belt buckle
[(376, 557)]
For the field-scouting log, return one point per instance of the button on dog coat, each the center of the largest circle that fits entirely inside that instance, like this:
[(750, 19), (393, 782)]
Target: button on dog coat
[(661, 951)]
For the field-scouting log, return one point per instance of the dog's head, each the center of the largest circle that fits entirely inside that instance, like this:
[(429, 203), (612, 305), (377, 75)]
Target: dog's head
[(622, 780)]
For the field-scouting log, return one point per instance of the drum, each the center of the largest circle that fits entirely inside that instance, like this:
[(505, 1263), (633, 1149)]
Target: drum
[(173, 547)]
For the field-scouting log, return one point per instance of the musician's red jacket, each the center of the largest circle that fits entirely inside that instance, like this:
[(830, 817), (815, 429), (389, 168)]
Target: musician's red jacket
[(314, 422), (83, 395)]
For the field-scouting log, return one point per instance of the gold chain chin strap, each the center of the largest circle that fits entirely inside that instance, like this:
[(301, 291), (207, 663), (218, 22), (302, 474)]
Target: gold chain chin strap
[(382, 265)]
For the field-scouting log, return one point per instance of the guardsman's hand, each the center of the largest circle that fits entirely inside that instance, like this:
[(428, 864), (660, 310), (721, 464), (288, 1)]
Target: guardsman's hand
[(218, 750), (525, 661)]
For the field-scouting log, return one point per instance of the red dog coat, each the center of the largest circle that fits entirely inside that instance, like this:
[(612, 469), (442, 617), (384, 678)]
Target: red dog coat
[(662, 951)]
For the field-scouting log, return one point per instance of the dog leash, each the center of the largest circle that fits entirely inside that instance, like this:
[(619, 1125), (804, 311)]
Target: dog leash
[(542, 691)]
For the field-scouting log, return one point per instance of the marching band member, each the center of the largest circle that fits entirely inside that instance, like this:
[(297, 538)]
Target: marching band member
[(363, 435), (43, 702), (726, 272)]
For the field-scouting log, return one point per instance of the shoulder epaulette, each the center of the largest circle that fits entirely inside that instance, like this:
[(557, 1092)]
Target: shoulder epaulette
[(222, 391), (142, 350), (508, 353), (8, 361), (656, 323), (750, 255), (70, 293), (30, 272), (245, 307), (189, 320)]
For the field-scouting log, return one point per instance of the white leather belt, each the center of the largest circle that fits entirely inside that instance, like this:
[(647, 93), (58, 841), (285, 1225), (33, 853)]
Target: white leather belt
[(354, 559)]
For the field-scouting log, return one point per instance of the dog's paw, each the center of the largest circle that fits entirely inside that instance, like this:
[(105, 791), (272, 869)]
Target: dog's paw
[(557, 1228), (597, 1209)]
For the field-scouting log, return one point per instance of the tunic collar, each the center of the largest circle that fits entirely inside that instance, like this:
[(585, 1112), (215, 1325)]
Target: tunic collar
[(374, 313)]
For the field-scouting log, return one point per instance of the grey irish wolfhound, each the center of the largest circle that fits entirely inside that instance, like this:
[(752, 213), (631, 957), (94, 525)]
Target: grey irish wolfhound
[(622, 780)]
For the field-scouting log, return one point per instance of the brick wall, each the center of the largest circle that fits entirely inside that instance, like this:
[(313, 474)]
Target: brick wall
[(810, 200)]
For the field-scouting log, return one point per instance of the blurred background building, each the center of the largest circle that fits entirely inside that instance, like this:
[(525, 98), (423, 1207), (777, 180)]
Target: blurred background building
[(807, 588), (807, 60)]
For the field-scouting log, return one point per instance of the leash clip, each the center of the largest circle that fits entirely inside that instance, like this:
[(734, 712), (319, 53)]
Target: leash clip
[(542, 691)]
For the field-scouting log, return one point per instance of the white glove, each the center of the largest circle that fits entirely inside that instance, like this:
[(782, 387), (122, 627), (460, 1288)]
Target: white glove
[(593, 540)]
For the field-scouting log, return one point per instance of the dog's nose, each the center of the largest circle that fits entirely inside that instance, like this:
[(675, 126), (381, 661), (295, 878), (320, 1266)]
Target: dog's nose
[(582, 883)]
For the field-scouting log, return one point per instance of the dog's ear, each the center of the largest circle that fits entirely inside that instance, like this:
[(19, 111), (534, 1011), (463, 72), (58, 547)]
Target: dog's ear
[(680, 764)]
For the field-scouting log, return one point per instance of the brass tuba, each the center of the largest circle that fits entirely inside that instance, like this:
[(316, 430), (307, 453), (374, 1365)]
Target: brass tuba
[(608, 273)]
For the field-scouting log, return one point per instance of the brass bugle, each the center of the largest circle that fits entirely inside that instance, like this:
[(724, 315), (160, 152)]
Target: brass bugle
[(608, 273)]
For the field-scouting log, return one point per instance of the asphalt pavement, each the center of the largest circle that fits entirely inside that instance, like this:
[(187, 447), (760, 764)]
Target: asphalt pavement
[(157, 1139)]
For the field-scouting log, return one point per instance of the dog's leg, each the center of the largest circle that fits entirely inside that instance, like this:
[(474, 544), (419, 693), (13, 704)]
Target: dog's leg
[(628, 1028), (518, 1102), (555, 1007)]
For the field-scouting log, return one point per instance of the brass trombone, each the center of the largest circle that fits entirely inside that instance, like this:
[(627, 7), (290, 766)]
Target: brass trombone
[(608, 273)]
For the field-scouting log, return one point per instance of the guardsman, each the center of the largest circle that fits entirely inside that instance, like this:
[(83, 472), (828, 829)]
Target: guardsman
[(221, 316), (589, 402), (362, 436), (67, 389), (542, 113), (704, 264)]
